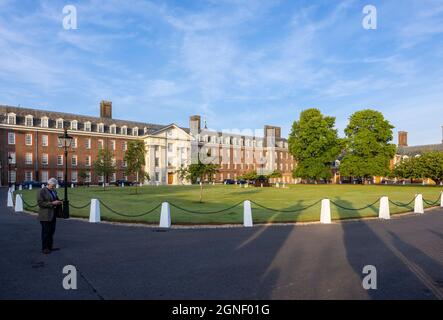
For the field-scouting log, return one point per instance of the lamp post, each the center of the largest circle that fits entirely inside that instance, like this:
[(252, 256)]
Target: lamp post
[(9, 170), (66, 141)]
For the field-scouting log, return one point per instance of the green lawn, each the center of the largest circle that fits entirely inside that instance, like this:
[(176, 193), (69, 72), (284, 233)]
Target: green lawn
[(124, 200)]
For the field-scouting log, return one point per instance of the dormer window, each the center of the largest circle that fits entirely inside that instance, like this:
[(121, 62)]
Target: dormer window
[(11, 118), (100, 128), (74, 125), (29, 120), (44, 122), (88, 126), (124, 130), (135, 131), (59, 123), (112, 129), (145, 130)]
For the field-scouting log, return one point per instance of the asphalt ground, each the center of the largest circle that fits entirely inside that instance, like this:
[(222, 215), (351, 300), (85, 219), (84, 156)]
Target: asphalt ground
[(263, 262)]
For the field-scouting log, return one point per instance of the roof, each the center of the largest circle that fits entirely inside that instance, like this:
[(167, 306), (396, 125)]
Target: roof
[(414, 150)]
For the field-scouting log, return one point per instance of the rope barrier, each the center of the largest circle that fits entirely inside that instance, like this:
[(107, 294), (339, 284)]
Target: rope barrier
[(80, 207), (356, 209), (399, 204), (127, 215), (27, 204), (286, 211), (204, 212)]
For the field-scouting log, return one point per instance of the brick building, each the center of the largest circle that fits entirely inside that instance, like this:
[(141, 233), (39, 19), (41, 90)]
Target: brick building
[(30, 149)]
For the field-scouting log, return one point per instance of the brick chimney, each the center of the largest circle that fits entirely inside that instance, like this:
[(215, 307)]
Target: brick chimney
[(106, 109), (402, 139), (195, 124)]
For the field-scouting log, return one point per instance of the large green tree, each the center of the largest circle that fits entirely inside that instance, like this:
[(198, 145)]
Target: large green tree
[(431, 165), (368, 145), (408, 168), (315, 145), (104, 165), (198, 172), (135, 161)]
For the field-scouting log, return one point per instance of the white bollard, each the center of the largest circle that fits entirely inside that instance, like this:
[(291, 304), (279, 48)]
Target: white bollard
[(383, 211), (13, 187), (57, 186), (165, 216), (72, 185), (123, 184), (94, 211), (247, 185), (10, 203), (404, 182), (418, 204), (141, 184), (43, 186), (441, 200), (277, 185), (20, 187), (247, 214), (325, 213), (30, 187), (18, 203)]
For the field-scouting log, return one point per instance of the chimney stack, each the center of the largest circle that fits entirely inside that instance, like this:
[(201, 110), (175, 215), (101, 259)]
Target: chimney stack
[(195, 124), (402, 139), (106, 109)]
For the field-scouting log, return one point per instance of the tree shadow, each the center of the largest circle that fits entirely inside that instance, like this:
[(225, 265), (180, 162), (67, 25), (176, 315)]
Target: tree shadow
[(395, 279)]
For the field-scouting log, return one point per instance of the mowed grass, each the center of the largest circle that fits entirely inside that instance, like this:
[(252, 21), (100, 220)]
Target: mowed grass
[(218, 197)]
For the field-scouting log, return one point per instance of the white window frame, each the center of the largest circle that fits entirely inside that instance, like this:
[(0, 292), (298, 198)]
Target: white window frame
[(88, 143), (74, 163), (28, 139), (45, 140), (101, 127), (74, 176), (29, 118), (45, 176), (11, 138), (60, 160), (88, 126), (28, 174), (13, 158), (59, 123), (74, 125), (44, 122), (112, 129), (88, 161), (11, 118), (28, 158), (124, 130), (45, 156), (135, 131)]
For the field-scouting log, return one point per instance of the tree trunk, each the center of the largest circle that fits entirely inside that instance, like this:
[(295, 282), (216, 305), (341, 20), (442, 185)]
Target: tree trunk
[(201, 191)]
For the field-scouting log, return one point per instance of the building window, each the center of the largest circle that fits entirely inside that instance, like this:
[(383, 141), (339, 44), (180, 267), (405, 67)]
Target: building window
[(45, 159), (113, 129), (157, 177), (135, 131), (100, 144), (29, 121), (60, 176), (60, 160), (74, 143), (74, 176), (170, 145), (88, 176), (145, 130), (11, 118), (45, 176), (88, 143), (100, 128), (45, 141), (74, 161), (59, 143), (59, 123), (124, 130), (28, 158), (124, 145), (113, 144), (113, 177), (12, 156), (74, 125), (156, 162), (101, 178), (11, 138), (28, 175), (88, 126), (28, 139), (44, 122), (88, 161), (12, 176)]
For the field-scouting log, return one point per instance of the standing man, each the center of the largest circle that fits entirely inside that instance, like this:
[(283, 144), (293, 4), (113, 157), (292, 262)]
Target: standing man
[(48, 203)]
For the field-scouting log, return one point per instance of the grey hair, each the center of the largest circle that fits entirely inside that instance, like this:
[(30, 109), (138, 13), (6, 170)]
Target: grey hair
[(53, 181)]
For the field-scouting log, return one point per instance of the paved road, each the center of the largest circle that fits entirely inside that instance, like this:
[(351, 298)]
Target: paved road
[(275, 262)]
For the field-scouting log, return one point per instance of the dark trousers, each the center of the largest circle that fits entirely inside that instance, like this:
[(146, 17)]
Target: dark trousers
[(48, 230)]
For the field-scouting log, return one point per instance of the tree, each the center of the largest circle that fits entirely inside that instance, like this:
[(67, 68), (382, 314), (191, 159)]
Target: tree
[(275, 174), (198, 172), (135, 161), (314, 144), (368, 149), (82, 174), (249, 176), (408, 168), (104, 165), (431, 165)]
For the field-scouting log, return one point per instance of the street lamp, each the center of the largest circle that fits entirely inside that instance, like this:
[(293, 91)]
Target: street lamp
[(9, 170), (66, 141)]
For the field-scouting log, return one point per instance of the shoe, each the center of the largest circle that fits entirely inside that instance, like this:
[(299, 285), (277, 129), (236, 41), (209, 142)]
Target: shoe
[(46, 251), (55, 249)]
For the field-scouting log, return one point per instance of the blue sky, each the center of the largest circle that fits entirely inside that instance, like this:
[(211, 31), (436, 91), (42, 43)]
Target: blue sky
[(240, 64)]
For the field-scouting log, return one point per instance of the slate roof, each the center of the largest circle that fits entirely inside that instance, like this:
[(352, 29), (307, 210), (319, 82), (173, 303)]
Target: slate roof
[(414, 150)]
